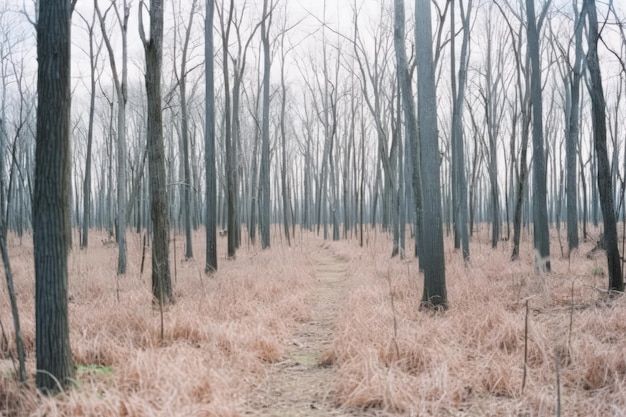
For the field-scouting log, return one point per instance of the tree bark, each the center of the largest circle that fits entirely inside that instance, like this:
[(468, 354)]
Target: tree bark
[(572, 134), (184, 118), (432, 256), (209, 143), (540, 210), (605, 186), (230, 168), (264, 181), (458, 156), (283, 137), (93, 58), (161, 280), (121, 93), (55, 368)]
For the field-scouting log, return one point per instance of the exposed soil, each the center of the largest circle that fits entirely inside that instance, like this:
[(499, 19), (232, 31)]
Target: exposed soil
[(301, 384)]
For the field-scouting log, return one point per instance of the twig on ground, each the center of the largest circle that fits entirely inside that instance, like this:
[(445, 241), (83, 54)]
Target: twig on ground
[(525, 348), (393, 311), (557, 400), (571, 323)]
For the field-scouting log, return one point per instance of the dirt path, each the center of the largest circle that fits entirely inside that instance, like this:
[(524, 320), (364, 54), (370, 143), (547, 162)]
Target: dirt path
[(299, 385)]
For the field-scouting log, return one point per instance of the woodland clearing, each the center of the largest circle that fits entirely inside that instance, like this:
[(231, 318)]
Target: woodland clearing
[(329, 328)]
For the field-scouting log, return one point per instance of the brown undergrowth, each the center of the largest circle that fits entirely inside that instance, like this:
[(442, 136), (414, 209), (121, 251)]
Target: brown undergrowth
[(469, 361), (389, 358), (218, 337)]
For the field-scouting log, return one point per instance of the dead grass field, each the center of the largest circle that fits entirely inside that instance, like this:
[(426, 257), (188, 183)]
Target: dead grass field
[(226, 329), (470, 360)]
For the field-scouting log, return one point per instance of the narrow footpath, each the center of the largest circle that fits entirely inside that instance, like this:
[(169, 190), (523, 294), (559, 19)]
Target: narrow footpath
[(300, 385)]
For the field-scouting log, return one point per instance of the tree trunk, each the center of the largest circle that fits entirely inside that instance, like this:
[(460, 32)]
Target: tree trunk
[(264, 181), (432, 256), (540, 210), (458, 157), (161, 280), (283, 137), (230, 169), (93, 55), (209, 144), (121, 93), (492, 134), (572, 135), (605, 186), (55, 368), (185, 137)]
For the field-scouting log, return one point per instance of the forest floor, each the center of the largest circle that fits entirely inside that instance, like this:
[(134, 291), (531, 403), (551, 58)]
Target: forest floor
[(301, 383), (324, 328)]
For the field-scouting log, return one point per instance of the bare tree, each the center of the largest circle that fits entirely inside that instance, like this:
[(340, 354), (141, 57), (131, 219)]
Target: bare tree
[(458, 154), (522, 94), (153, 47), (432, 255), (121, 90), (374, 75), (605, 186), (94, 54), (493, 118), (573, 131), (264, 180), (408, 105), (209, 143), (283, 132), (181, 76), (540, 210), (226, 19), (55, 368), (239, 62), (5, 51)]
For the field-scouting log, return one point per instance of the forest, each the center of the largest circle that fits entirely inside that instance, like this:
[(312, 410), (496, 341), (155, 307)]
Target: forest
[(273, 207)]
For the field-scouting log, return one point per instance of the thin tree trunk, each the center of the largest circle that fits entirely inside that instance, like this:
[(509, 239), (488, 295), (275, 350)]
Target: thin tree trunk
[(230, 169), (283, 137), (264, 180), (185, 136), (93, 58), (540, 210), (121, 93), (161, 280), (458, 156), (605, 186), (209, 144), (572, 134)]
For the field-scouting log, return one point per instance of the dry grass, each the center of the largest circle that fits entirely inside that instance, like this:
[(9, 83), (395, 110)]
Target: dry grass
[(225, 328), (218, 336), (469, 360)]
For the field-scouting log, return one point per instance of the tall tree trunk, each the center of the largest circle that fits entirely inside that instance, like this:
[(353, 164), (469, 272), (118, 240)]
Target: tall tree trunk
[(93, 62), (161, 280), (458, 157), (209, 144), (184, 118), (283, 137), (432, 255), (605, 186), (492, 134), (540, 210), (121, 93), (55, 368), (254, 202), (572, 134), (398, 192), (19, 340), (264, 180), (230, 168)]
